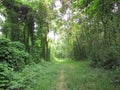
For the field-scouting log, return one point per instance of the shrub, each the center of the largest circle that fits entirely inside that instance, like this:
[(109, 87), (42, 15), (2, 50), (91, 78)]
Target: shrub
[(14, 54), (5, 54), (11, 80), (106, 58), (109, 59), (115, 76), (4, 42), (5, 75), (19, 59), (13, 57), (17, 45), (112, 58)]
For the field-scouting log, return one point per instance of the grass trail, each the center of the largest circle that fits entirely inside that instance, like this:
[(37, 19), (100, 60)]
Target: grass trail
[(62, 84), (70, 75)]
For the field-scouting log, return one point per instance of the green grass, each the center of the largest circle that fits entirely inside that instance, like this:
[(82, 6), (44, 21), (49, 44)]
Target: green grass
[(47, 77), (77, 76), (80, 76)]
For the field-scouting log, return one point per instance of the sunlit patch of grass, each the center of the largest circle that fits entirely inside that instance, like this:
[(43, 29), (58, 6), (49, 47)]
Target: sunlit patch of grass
[(57, 60)]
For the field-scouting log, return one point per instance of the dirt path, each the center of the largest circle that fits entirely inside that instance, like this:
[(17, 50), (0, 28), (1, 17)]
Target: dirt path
[(62, 81)]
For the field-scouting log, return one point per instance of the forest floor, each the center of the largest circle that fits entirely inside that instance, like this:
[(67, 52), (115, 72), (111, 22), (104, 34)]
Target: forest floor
[(69, 75)]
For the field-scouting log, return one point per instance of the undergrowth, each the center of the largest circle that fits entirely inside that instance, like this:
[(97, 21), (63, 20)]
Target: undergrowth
[(78, 75)]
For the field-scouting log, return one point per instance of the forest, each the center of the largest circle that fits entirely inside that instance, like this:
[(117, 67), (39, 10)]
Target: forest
[(59, 44)]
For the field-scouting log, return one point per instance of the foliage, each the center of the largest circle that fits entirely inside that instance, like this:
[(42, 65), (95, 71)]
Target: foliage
[(42, 20), (13, 57), (17, 45), (5, 75), (88, 29), (26, 23), (107, 58), (97, 37), (13, 53), (115, 76), (36, 51), (4, 42), (35, 76)]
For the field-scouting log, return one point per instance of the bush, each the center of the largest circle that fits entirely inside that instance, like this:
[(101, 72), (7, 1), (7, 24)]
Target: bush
[(17, 45), (109, 59), (19, 58), (5, 75), (4, 42), (106, 58), (13, 57), (115, 76), (13, 53), (11, 80)]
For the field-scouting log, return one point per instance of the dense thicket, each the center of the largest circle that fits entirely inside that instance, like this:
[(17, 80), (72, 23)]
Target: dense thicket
[(13, 57), (28, 24), (97, 35)]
